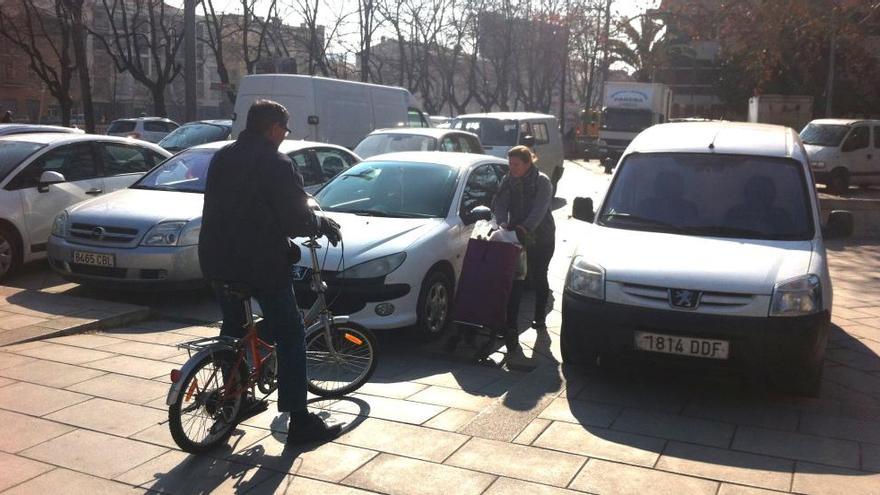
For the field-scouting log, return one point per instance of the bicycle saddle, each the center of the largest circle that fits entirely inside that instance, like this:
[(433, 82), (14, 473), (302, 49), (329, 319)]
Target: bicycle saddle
[(238, 290)]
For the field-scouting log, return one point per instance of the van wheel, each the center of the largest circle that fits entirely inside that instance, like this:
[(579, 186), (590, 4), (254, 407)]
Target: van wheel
[(838, 183), (435, 304), (10, 251)]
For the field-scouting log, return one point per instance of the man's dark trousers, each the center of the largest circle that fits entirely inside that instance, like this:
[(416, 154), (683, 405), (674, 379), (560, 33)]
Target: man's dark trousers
[(283, 326)]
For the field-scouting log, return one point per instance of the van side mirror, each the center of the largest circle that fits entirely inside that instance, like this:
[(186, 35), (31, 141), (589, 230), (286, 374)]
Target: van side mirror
[(527, 140), (582, 209), (840, 225), (48, 178), (476, 214)]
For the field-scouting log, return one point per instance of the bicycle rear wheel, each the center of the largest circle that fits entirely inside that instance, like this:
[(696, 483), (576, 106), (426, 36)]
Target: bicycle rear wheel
[(345, 364), (203, 417)]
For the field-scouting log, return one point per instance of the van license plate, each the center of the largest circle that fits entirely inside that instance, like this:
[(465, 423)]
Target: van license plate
[(94, 259), (683, 346)]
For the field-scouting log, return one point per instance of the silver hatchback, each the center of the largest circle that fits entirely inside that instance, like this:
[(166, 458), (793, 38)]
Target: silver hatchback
[(147, 236)]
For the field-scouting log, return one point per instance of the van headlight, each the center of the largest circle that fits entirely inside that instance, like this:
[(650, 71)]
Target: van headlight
[(586, 279), (378, 267), (798, 297), (176, 233)]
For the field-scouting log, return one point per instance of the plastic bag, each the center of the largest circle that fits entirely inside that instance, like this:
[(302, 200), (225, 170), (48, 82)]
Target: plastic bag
[(483, 229), (509, 236)]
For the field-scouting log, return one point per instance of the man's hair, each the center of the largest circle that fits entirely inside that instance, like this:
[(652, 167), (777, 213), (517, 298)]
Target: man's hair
[(523, 153), (263, 114)]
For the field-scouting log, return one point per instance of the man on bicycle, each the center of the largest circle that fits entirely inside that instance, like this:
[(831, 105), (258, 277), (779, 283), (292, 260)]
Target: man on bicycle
[(254, 202)]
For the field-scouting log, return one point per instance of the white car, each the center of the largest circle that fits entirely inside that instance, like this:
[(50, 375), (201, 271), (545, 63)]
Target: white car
[(406, 220), (841, 152), (706, 250), (42, 174), (382, 141), (152, 129), (146, 236)]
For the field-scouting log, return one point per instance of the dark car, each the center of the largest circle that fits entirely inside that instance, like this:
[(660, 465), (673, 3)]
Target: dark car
[(196, 133)]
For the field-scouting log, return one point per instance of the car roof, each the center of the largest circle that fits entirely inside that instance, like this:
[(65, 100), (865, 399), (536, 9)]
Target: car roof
[(454, 160), (507, 115), (225, 122), (135, 119), (8, 129), (844, 121), (287, 146), (421, 131), (52, 138), (739, 138)]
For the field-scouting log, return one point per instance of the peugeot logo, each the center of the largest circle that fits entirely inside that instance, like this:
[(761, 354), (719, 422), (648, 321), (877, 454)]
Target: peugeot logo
[(98, 233), (685, 299)]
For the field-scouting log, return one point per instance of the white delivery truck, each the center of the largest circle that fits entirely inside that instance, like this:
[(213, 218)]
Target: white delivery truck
[(793, 111), (329, 110), (628, 109)]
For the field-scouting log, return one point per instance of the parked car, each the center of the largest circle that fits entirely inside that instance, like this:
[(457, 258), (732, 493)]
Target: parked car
[(196, 133), (440, 121), (329, 110), (841, 152), (151, 129), (425, 139), (500, 131), (42, 174), (10, 129), (147, 236), (406, 220), (706, 249)]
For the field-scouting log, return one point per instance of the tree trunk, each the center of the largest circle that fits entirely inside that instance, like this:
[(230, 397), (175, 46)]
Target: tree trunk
[(65, 106), (82, 65), (158, 92)]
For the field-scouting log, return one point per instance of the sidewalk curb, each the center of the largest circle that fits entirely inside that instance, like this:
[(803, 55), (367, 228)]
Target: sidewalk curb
[(38, 332)]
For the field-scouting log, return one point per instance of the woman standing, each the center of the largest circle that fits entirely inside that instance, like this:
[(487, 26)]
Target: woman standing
[(523, 204)]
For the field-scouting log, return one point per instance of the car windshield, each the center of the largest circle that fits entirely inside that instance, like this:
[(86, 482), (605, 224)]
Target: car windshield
[(739, 196), (376, 144), (192, 135), (492, 132), (186, 172), (391, 189), (121, 127), (625, 119), (824, 134), (12, 153)]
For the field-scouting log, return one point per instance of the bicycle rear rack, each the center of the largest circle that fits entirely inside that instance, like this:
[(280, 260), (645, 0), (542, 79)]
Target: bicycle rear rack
[(194, 346)]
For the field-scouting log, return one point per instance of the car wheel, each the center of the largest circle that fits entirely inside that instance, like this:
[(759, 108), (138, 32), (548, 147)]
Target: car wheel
[(574, 348), (10, 257), (838, 183), (435, 304)]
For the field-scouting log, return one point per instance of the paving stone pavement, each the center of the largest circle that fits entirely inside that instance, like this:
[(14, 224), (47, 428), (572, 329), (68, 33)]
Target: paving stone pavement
[(85, 414)]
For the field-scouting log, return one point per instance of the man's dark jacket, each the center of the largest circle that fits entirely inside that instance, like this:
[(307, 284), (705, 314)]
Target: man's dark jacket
[(254, 201)]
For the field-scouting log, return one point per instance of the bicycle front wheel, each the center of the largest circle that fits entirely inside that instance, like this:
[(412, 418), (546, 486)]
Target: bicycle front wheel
[(204, 414), (340, 360)]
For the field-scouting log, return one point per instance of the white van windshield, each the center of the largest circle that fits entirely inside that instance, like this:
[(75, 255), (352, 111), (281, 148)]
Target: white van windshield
[(492, 132), (824, 134), (739, 196)]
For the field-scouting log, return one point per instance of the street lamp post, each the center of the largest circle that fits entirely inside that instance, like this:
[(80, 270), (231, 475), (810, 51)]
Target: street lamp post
[(189, 63)]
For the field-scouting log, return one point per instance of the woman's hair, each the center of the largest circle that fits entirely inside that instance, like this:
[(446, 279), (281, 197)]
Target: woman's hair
[(523, 153)]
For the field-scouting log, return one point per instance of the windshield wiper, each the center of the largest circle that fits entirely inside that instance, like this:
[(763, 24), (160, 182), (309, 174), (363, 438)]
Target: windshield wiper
[(379, 213), (646, 222)]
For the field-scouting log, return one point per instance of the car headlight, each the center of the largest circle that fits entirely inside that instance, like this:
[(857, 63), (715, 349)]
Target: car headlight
[(817, 164), (59, 225), (378, 267), (164, 234), (798, 297), (190, 234), (586, 279)]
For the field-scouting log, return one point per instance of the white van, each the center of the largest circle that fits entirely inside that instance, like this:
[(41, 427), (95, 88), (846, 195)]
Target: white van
[(843, 152), (706, 250), (500, 131), (329, 110)]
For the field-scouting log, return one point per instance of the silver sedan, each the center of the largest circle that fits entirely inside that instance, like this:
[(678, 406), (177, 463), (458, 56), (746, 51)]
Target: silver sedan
[(147, 236)]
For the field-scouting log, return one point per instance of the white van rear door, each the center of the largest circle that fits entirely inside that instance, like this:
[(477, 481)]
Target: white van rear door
[(345, 112), (296, 93)]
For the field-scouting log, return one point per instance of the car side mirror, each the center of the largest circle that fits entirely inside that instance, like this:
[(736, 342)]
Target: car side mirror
[(840, 225), (527, 140), (476, 214), (582, 209), (48, 178)]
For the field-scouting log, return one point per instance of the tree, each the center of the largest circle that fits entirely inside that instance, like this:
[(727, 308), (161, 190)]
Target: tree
[(367, 25), (78, 33), (217, 31), (643, 48), (44, 35), (142, 37)]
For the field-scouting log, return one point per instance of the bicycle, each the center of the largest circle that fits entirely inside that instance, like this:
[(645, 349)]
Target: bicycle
[(206, 395)]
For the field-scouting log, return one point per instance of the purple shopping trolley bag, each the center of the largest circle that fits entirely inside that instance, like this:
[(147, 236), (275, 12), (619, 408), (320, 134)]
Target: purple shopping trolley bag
[(486, 280)]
